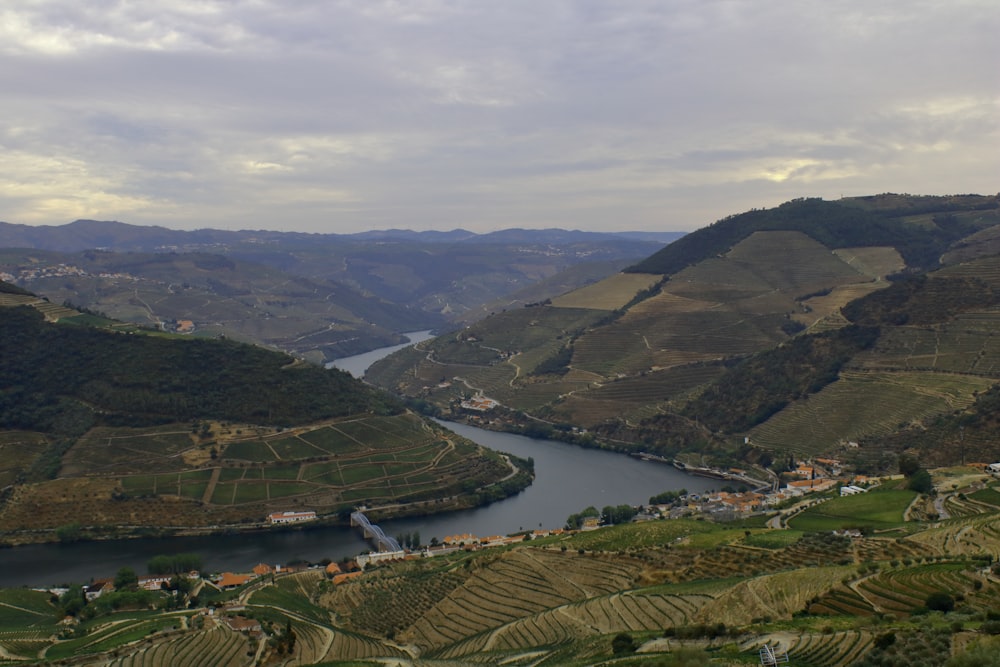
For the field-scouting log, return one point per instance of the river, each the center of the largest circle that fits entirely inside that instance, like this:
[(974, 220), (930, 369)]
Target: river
[(567, 479)]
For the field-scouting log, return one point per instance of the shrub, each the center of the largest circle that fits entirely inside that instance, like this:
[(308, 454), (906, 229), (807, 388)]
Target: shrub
[(940, 601), (622, 643)]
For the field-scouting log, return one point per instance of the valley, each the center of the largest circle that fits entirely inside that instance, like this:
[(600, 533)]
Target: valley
[(777, 345)]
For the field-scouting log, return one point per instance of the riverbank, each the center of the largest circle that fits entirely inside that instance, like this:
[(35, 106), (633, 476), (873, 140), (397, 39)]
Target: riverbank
[(567, 479), (520, 477)]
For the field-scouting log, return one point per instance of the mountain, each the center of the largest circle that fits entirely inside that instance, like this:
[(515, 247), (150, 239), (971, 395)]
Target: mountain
[(326, 294), (211, 295), (799, 329)]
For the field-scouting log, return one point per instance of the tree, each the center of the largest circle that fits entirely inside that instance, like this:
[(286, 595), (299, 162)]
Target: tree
[(921, 482), (126, 579), (576, 520), (69, 533), (618, 514), (622, 643), (908, 465), (940, 601)]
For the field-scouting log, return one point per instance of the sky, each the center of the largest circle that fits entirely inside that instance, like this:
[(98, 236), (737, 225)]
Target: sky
[(345, 116)]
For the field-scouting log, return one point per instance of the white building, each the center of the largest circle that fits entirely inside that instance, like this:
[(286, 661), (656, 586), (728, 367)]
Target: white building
[(291, 517)]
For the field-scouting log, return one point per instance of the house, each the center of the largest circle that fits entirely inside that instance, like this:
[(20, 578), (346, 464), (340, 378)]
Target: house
[(291, 517), (851, 490), (155, 583), (801, 486), (98, 588), (230, 580), (378, 556), (261, 569), (243, 624), (993, 468), (480, 404), (333, 570), (464, 538)]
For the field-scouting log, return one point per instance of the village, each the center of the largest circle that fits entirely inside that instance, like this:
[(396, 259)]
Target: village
[(727, 504)]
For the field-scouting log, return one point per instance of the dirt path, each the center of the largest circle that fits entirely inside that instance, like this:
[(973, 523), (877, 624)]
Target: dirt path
[(210, 489)]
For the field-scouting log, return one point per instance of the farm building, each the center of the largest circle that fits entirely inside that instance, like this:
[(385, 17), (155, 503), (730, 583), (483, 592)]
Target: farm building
[(291, 517)]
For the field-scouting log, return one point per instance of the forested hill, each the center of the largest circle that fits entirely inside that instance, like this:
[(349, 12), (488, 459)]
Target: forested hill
[(62, 378), (920, 230)]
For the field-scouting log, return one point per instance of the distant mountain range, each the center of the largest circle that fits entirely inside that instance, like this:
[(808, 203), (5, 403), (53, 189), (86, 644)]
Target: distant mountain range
[(120, 236), (319, 295)]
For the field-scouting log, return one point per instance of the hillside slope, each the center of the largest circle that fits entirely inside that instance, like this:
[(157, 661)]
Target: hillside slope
[(738, 331), (123, 430), (211, 295)]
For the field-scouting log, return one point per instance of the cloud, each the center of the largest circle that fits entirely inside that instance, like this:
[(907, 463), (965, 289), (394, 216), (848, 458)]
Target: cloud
[(339, 116)]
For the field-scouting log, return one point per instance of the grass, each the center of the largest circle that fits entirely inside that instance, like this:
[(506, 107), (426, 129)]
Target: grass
[(989, 495), (774, 539), (249, 450), (880, 509)]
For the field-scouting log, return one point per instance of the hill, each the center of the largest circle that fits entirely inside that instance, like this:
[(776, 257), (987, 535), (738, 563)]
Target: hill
[(110, 429), (434, 274), (798, 329), (210, 295), (904, 589)]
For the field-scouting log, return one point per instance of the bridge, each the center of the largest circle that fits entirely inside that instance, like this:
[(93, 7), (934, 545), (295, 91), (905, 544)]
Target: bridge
[(372, 532)]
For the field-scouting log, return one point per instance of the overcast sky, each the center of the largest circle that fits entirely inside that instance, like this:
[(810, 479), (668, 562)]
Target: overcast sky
[(344, 116)]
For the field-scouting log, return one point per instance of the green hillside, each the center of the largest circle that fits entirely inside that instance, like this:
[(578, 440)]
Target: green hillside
[(860, 222), (803, 328), (104, 428)]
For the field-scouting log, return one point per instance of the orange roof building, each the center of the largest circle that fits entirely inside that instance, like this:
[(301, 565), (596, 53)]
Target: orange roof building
[(230, 580)]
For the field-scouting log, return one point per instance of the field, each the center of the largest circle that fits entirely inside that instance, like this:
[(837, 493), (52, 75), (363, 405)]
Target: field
[(880, 509), (608, 294), (240, 474), (874, 262)]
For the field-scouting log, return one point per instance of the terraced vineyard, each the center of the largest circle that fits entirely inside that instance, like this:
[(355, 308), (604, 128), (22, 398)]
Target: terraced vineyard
[(792, 260), (206, 648), (874, 262), (864, 404), (985, 268), (608, 294), (603, 615), (241, 473), (830, 649), (518, 584), (824, 598), (967, 344)]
